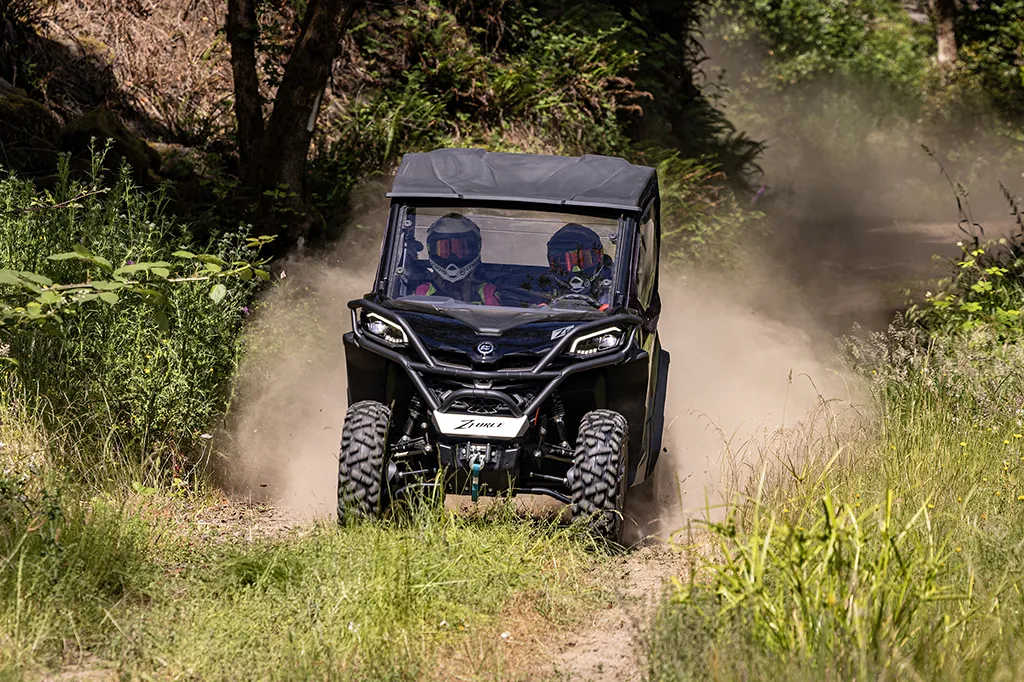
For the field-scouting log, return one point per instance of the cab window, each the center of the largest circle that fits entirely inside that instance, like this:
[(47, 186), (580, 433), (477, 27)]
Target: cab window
[(647, 262)]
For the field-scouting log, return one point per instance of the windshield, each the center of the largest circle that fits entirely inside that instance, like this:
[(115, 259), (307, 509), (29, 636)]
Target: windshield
[(506, 257)]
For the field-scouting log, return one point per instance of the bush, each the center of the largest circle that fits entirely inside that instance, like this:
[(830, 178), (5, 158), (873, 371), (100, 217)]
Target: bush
[(870, 41), (989, 35), (986, 291), (701, 218), (120, 388), (546, 87), (884, 557)]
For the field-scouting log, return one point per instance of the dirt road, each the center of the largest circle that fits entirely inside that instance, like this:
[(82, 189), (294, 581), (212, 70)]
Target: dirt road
[(861, 277), (733, 363)]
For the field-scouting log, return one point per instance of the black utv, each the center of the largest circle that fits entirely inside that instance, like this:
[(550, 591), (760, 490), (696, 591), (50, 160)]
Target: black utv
[(510, 343)]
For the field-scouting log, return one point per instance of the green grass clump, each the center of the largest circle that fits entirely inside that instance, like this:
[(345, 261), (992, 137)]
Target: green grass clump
[(64, 566), (395, 600), (889, 557), (123, 395)]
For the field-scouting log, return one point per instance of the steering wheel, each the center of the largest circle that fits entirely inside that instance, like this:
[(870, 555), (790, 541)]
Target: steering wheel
[(589, 300)]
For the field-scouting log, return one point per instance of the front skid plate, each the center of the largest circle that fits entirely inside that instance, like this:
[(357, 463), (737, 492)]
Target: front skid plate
[(476, 426)]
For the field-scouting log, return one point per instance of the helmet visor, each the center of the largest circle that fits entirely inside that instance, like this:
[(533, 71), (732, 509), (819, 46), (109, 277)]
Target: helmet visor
[(458, 249), (577, 259)]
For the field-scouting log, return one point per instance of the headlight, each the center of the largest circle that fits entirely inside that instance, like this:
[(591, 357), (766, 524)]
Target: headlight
[(597, 342), (384, 330)]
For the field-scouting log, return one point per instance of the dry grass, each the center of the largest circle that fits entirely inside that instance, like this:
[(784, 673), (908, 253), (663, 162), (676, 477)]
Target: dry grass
[(170, 58)]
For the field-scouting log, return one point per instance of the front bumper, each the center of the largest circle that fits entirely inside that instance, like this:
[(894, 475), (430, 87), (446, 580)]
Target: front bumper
[(484, 427)]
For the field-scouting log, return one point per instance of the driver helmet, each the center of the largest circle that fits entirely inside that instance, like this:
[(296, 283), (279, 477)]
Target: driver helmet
[(576, 257), (453, 247)]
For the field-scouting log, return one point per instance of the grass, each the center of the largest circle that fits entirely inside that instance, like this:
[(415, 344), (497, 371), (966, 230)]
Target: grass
[(134, 587), (103, 563), (893, 554), (122, 397)]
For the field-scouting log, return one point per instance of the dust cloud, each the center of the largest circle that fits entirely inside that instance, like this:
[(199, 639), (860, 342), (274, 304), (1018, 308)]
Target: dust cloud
[(861, 186), (284, 428), (745, 366)]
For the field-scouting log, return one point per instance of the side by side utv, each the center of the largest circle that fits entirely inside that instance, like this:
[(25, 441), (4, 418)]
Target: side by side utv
[(510, 342)]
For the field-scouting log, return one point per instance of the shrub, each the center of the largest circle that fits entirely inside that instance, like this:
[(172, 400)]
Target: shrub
[(126, 385), (547, 87), (987, 287), (700, 217), (879, 557)]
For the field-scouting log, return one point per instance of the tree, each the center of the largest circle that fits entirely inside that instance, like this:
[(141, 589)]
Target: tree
[(272, 150), (945, 31)]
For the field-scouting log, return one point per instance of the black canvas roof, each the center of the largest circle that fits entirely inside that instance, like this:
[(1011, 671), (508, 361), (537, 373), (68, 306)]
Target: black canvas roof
[(475, 174)]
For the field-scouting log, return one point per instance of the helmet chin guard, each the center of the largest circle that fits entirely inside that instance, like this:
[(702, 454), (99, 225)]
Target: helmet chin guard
[(452, 272)]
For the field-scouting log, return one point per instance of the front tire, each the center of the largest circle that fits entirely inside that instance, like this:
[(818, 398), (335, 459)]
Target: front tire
[(597, 477), (362, 462)]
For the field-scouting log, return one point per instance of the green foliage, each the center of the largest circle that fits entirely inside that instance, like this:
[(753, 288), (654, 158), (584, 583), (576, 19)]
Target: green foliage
[(700, 218), (888, 556), (989, 38), (986, 290), (552, 88), (47, 300), (133, 384), (799, 40)]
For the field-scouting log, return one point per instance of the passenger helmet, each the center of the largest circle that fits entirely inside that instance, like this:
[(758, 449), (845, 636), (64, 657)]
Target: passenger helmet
[(453, 247), (576, 257)]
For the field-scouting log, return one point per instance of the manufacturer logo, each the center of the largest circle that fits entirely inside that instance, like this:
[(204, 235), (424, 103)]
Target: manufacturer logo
[(473, 424), (468, 426), (485, 348), (559, 333)]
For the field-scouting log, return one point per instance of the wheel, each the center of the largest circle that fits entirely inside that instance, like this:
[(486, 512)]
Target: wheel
[(362, 460), (597, 477)]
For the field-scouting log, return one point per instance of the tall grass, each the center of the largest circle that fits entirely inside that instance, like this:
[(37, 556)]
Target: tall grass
[(397, 600), (117, 395), (896, 556), (64, 566)]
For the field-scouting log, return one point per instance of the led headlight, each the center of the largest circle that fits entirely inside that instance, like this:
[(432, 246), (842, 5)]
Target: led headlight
[(597, 342), (384, 330)]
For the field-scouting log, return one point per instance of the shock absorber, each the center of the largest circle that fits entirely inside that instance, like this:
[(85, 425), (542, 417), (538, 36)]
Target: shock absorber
[(558, 416), (414, 416)]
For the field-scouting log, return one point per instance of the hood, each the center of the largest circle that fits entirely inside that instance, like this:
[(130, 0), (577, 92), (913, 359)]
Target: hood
[(456, 341)]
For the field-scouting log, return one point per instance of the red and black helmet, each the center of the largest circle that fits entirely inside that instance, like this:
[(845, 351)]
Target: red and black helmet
[(453, 247), (576, 257)]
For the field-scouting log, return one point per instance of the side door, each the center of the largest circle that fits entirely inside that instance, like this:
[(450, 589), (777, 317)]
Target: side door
[(649, 300)]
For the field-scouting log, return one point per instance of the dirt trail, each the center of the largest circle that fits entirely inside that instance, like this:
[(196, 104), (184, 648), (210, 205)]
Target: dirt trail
[(737, 346), (612, 648)]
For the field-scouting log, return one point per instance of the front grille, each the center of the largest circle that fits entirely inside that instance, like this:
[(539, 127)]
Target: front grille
[(481, 406), (454, 358), (516, 361)]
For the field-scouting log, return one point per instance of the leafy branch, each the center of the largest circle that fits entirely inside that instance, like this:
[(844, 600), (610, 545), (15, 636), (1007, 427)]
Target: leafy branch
[(30, 298)]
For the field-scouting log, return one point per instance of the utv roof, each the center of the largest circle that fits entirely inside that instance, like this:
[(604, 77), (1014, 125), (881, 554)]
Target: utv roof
[(475, 174)]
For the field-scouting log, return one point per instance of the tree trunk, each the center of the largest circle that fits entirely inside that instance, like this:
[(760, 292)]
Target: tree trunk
[(945, 31), (243, 33), (272, 154), (291, 125), (281, 162)]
